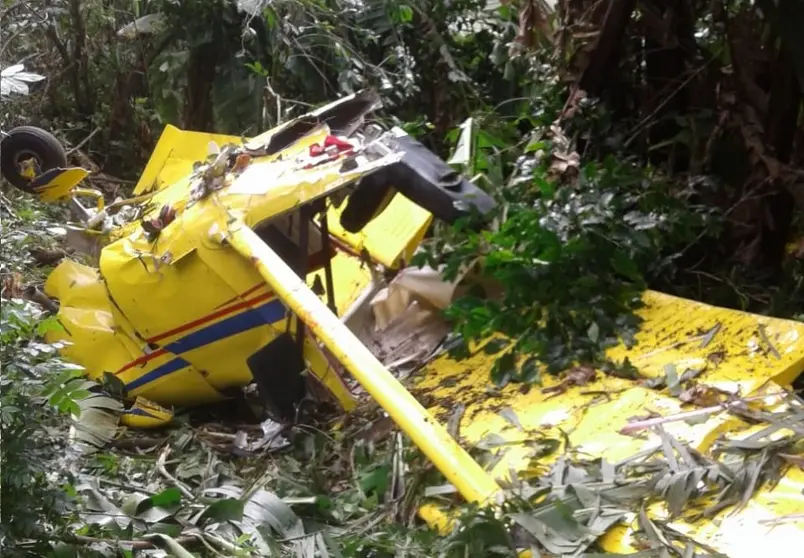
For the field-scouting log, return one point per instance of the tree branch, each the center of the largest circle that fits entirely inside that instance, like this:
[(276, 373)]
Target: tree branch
[(139, 544)]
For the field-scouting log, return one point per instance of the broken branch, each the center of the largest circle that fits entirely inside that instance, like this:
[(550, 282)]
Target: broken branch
[(160, 466), (650, 423), (133, 544)]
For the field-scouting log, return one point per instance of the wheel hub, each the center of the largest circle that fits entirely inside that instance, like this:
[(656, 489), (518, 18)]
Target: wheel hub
[(28, 164)]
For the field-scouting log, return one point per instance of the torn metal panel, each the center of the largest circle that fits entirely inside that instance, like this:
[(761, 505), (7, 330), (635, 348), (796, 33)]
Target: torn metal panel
[(175, 316), (195, 282), (589, 417)]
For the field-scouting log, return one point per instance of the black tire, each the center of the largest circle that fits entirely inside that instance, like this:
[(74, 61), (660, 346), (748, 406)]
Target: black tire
[(29, 141)]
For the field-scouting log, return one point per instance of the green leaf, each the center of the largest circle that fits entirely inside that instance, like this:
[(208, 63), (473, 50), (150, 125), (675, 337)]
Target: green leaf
[(546, 187), (625, 266), (224, 510), (135, 503), (166, 498), (49, 324), (376, 481), (107, 512), (96, 423), (535, 145), (495, 346), (266, 508), (530, 371), (503, 370), (671, 379), (404, 13)]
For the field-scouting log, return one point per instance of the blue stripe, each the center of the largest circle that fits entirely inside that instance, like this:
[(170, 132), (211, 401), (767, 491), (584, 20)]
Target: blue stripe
[(268, 313), (167, 368), (140, 413)]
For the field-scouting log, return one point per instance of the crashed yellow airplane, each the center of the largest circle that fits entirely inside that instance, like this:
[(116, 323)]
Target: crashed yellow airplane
[(265, 260)]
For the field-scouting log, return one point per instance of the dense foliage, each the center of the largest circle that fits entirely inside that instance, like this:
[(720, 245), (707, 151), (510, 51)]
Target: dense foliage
[(631, 144), (34, 503)]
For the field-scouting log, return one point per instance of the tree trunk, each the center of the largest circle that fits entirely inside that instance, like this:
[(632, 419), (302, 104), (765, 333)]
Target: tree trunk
[(84, 96), (665, 75), (199, 114), (604, 57), (780, 133)]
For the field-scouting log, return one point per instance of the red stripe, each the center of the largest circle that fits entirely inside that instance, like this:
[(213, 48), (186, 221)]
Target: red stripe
[(222, 310), (241, 295), (190, 325), (220, 313), (142, 360)]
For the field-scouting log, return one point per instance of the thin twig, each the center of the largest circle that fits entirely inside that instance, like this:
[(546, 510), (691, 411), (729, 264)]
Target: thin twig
[(84, 141), (160, 466), (128, 487), (101, 177), (793, 517), (222, 543), (650, 423), (639, 127), (139, 544), (135, 443), (768, 342)]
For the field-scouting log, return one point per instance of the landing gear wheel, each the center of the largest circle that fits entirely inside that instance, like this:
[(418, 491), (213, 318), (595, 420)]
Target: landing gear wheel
[(28, 142)]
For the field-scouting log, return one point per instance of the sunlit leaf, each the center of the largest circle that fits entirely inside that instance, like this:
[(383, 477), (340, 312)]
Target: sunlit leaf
[(146, 25), (266, 508), (463, 150), (97, 421), (14, 79)]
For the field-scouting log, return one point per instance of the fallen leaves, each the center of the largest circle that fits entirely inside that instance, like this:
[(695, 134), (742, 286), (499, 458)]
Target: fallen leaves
[(96, 423), (12, 286), (702, 395), (576, 376)]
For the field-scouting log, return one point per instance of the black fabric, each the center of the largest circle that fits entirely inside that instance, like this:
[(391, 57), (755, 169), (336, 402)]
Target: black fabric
[(430, 182), (342, 118), (277, 370), (292, 133), (420, 176), (366, 201)]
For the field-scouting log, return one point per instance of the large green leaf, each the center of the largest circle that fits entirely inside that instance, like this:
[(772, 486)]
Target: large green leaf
[(224, 510), (96, 423), (267, 509)]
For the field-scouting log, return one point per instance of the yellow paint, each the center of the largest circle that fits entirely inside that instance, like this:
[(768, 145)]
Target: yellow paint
[(427, 434), (388, 240), (166, 316), (151, 312), (675, 328), (146, 414), (174, 155), (737, 358), (94, 339), (62, 185)]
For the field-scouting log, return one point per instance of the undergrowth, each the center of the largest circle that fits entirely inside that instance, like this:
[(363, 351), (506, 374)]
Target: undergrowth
[(585, 224), (573, 246)]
